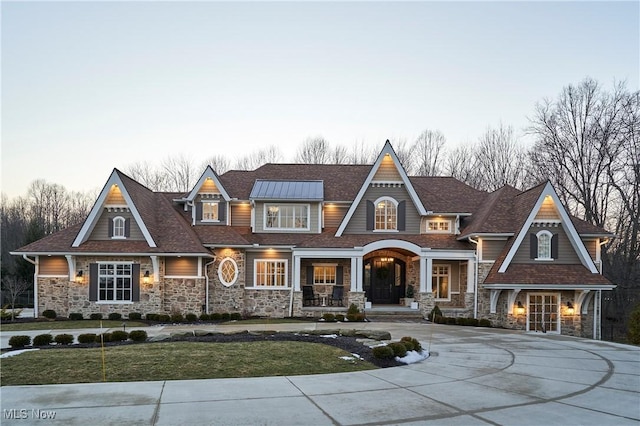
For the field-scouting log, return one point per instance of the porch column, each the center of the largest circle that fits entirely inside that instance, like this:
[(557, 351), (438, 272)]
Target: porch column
[(296, 273), (426, 265), (471, 272), (356, 273)]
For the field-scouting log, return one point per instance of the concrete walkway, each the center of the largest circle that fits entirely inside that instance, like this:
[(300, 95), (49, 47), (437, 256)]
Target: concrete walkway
[(474, 376)]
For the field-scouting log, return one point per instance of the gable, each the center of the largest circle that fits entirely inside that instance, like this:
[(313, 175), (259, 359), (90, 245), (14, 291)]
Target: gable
[(209, 183), (386, 162), (535, 218)]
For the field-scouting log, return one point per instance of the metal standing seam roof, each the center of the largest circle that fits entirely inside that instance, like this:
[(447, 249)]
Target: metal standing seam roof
[(287, 190)]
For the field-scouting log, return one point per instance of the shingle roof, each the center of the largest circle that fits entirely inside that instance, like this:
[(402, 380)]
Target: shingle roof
[(541, 274)]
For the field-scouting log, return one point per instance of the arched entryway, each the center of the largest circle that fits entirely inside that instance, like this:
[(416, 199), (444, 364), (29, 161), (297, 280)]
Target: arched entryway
[(384, 280)]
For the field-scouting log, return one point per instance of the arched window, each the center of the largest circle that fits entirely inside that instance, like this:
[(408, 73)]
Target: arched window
[(228, 271), (544, 245), (118, 227), (386, 214)]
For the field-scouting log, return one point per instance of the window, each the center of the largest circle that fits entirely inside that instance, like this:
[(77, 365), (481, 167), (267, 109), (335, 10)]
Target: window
[(324, 274), (114, 282), (438, 226), (210, 212), (462, 282), (118, 227), (544, 245), (386, 214), (228, 271), (293, 216), (270, 273), (440, 281)]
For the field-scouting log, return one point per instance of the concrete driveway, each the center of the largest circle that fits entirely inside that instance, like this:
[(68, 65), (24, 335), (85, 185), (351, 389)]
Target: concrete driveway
[(474, 376)]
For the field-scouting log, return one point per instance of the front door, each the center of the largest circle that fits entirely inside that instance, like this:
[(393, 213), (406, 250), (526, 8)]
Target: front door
[(543, 313), (384, 280)]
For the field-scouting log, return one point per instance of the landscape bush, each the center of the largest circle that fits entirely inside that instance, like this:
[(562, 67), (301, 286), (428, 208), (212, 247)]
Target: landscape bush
[(328, 317), (205, 317), (408, 344), (451, 321), (42, 340), (633, 331), (164, 317), (177, 317), (63, 339), (96, 316), (216, 316), (49, 313), (340, 317), (76, 316), (226, 316), (484, 322), (383, 352), (353, 309), (435, 312), (135, 316), (19, 341), (416, 344), (104, 337), (119, 336), (138, 335), (398, 349), (152, 317), (115, 316), (191, 317), (87, 338), (235, 316)]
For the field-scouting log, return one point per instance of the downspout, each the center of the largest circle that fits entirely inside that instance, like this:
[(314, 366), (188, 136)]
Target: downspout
[(475, 279), (193, 212), (206, 285), (35, 284)]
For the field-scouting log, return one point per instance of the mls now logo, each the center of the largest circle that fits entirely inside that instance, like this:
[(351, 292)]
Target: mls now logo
[(23, 413)]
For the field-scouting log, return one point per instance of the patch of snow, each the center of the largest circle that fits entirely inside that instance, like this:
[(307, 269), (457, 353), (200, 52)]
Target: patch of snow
[(18, 352), (413, 356), (329, 336)]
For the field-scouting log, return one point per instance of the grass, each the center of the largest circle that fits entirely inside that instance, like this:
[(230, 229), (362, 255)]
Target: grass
[(176, 361), (68, 325)]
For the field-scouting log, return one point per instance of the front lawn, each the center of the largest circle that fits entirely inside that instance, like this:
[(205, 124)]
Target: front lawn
[(176, 361), (68, 325)]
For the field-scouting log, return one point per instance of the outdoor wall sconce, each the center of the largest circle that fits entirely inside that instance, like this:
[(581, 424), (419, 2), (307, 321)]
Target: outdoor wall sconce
[(145, 278), (79, 276), (520, 308), (570, 309)]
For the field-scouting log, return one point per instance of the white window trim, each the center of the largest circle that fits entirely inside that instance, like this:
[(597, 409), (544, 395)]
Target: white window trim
[(236, 272), (375, 210), (266, 208), (437, 231), (119, 302), (435, 285), (544, 259), (558, 313), (263, 287), (124, 227), (326, 265), (460, 282), (210, 220)]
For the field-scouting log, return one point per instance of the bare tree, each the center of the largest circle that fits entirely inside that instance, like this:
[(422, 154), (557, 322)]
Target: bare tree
[(270, 154), (339, 155), (314, 150), (362, 153), (461, 164), (147, 175), (500, 159), (405, 155), (428, 149), (180, 173), (219, 163), (14, 287)]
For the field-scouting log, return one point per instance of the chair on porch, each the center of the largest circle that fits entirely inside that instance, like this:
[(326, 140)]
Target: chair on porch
[(309, 297), (337, 294)]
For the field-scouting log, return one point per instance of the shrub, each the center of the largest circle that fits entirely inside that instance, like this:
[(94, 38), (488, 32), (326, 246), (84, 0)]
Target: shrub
[(115, 316), (75, 316), (484, 323), (63, 339), (340, 317), (87, 338), (49, 313), (177, 317), (236, 316), (216, 316), (398, 349), (119, 336), (226, 316), (205, 317), (435, 312), (633, 331), (416, 344), (461, 321), (191, 317), (4, 314), (42, 340), (451, 321), (104, 337), (135, 316), (382, 352), (19, 341), (138, 335), (472, 322), (328, 317), (164, 317), (408, 344), (152, 317), (353, 309), (96, 316)]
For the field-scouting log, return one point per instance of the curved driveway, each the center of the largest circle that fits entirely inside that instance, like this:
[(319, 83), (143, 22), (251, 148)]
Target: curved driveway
[(474, 376)]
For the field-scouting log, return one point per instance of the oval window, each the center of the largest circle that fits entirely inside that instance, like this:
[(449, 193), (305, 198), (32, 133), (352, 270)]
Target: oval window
[(228, 271)]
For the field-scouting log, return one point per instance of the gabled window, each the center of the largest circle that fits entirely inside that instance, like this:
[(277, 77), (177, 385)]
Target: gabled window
[(210, 211), (544, 245), (386, 214), (286, 216), (270, 273), (119, 227)]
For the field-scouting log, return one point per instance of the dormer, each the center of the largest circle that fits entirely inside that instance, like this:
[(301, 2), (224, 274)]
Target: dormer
[(208, 200)]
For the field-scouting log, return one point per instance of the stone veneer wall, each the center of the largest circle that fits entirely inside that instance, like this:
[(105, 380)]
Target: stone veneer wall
[(230, 299)]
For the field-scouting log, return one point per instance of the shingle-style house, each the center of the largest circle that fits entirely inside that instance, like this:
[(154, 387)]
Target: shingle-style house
[(298, 240)]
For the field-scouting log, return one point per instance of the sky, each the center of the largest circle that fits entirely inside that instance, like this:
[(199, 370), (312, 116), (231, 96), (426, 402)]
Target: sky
[(92, 86)]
